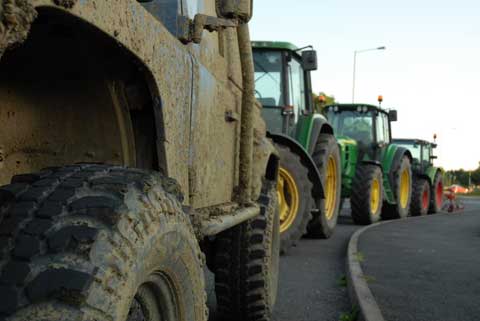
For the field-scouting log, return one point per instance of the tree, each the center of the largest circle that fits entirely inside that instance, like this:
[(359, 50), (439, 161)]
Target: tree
[(476, 176), (321, 100), (462, 177)]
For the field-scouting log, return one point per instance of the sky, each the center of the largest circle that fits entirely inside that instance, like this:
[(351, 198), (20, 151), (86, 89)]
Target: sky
[(429, 72)]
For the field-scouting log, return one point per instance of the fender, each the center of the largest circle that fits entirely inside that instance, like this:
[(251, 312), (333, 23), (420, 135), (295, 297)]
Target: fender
[(319, 125), (349, 158), (298, 149), (432, 172)]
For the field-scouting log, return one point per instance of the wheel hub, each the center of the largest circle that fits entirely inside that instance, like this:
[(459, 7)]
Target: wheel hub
[(331, 188), (288, 198), (375, 196), (404, 188), (439, 194), (155, 300), (425, 199)]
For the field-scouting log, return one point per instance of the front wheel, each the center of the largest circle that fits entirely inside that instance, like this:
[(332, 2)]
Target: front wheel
[(247, 263), (367, 194), (436, 198), (327, 159), (294, 192), (402, 189), (95, 242)]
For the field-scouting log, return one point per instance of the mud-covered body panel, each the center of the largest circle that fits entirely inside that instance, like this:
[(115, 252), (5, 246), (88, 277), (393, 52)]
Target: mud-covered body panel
[(193, 88)]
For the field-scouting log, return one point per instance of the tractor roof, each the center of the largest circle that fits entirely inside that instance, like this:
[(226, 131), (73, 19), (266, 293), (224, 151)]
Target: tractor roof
[(280, 45), (355, 107), (413, 141)]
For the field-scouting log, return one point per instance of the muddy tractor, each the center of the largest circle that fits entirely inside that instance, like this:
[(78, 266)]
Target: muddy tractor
[(427, 189), (133, 153), (376, 173), (310, 173)]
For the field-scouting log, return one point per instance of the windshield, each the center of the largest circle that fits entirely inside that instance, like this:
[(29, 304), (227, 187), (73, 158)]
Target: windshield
[(353, 124), (268, 78), (414, 148)]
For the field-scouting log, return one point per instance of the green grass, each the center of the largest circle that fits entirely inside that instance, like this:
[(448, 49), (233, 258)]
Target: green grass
[(360, 257), (368, 278), (342, 281), (350, 316)]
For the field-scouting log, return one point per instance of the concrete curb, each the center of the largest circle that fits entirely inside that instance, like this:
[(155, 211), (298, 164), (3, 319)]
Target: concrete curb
[(360, 295)]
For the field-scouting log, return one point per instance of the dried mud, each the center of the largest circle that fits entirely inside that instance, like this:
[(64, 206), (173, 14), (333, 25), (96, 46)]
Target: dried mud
[(16, 17)]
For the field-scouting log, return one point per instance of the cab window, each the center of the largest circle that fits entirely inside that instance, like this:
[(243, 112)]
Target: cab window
[(167, 11), (386, 128), (426, 154), (382, 128), (296, 83)]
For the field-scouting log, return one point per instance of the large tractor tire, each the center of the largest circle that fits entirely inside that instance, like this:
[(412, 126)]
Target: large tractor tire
[(402, 189), (247, 263), (327, 159), (436, 198), (420, 197), (95, 242), (295, 198), (367, 194)]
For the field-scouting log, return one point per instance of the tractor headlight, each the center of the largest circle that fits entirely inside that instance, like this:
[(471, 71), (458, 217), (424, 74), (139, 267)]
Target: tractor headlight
[(359, 109)]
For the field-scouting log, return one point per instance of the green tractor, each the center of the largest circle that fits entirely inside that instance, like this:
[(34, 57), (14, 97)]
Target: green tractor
[(309, 186), (376, 173), (427, 191)]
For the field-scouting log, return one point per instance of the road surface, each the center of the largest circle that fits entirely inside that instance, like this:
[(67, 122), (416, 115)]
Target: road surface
[(426, 269), (312, 286), (311, 280)]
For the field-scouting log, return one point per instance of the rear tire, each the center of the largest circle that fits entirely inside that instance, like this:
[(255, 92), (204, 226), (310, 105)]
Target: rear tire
[(295, 198), (436, 197), (327, 159), (247, 263), (96, 242), (420, 197), (402, 190), (367, 194)]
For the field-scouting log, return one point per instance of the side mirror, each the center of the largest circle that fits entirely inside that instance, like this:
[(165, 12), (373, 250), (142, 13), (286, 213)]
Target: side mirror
[(392, 115), (235, 9), (309, 60)]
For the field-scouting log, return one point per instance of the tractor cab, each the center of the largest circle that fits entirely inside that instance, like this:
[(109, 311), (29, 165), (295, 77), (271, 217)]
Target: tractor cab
[(309, 176), (427, 194), (422, 153), (283, 85), (367, 125), (373, 167)]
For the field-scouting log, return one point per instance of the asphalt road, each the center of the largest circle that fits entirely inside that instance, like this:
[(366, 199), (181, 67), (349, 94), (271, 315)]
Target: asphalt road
[(311, 286), (428, 268)]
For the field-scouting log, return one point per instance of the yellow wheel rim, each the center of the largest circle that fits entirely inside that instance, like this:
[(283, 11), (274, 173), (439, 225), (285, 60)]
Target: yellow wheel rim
[(404, 188), (375, 196), (331, 188), (288, 198)]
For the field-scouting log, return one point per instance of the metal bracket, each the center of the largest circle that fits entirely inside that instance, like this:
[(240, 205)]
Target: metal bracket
[(231, 116), (203, 22)]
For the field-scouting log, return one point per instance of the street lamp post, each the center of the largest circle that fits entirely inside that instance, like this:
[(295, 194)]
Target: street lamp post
[(355, 66)]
